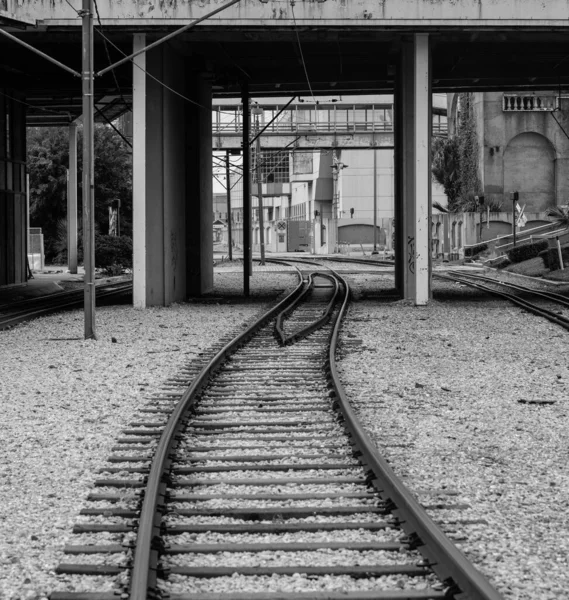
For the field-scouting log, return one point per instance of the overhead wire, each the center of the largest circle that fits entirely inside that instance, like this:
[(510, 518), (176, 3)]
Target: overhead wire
[(47, 110), (109, 58), (149, 74), (300, 49)]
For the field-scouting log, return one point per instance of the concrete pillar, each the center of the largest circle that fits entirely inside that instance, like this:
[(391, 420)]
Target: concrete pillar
[(139, 173), (72, 200), (172, 187), (413, 170), (199, 169)]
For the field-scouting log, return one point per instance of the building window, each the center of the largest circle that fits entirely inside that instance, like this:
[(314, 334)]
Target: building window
[(274, 166)]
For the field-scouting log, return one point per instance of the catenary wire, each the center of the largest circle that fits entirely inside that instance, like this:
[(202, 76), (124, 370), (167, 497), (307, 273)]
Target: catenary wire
[(109, 58), (300, 49), (149, 74)]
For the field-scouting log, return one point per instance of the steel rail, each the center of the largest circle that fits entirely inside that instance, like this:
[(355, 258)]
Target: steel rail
[(554, 296), (450, 565), (145, 563), (306, 331), (532, 308), (10, 320)]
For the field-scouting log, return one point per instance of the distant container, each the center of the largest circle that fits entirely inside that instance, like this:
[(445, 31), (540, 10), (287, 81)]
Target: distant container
[(298, 236), (36, 258)]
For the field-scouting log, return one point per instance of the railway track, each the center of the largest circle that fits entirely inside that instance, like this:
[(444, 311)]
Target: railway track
[(13, 313), (545, 304), (259, 483)]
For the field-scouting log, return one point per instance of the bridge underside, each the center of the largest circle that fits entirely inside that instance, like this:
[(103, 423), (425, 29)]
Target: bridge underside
[(172, 144)]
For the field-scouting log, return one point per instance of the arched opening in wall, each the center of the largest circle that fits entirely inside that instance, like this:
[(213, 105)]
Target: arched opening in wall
[(453, 235), (529, 168), (459, 245)]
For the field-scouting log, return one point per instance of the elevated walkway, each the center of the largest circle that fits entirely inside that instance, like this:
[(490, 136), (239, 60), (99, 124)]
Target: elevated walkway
[(310, 125)]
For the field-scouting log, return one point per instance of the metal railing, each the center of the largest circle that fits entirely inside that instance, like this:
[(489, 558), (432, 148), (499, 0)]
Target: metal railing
[(321, 119)]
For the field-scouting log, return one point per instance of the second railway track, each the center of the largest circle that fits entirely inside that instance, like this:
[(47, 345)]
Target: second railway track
[(25, 310), (263, 485)]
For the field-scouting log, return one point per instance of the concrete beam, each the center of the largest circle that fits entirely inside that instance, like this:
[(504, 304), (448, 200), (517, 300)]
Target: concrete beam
[(363, 13), (355, 141)]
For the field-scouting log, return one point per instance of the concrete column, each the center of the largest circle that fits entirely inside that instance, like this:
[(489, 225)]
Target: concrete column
[(173, 228), (139, 172), (199, 169), (413, 170), (72, 200)]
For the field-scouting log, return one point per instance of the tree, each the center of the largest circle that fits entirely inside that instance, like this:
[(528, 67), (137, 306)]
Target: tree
[(48, 159), (446, 168), (455, 161)]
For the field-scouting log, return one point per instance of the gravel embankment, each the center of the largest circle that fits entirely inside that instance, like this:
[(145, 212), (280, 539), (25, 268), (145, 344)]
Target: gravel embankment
[(448, 392), (64, 400)]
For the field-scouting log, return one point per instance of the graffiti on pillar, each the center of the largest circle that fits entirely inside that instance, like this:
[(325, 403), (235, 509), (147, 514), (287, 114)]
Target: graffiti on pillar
[(411, 254)]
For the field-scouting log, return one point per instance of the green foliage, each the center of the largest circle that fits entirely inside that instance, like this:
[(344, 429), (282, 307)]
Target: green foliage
[(468, 150), (469, 204), (551, 257), (445, 166), (455, 161), (560, 214), (526, 251), (48, 159), (499, 263), (472, 251), (113, 250)]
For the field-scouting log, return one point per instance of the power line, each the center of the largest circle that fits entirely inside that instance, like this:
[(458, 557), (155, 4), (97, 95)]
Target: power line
[(301, 53), (109, 58), (147, 73), (47, 110)]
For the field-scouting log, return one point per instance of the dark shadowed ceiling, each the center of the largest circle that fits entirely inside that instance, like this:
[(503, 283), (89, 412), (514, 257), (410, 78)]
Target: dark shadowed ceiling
[(281, 62)]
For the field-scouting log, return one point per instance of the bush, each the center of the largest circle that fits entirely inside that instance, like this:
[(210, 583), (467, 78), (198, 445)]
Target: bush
[(475, 250), (551, 257), (499, 263), (112, 251), (526, 251)]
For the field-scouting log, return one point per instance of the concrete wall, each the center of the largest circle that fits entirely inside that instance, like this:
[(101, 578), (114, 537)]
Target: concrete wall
[(526, 152)]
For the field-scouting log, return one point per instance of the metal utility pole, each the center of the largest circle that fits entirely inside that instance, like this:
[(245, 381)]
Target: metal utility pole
[(88, 171), (337, 166), (72, 200), (228, 188), (375, 202), (259, 111), (247, 266), (515, 196)]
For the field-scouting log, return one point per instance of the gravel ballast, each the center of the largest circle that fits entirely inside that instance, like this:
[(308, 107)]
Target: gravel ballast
[(447, 391), (65, 401), (454, 394)]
